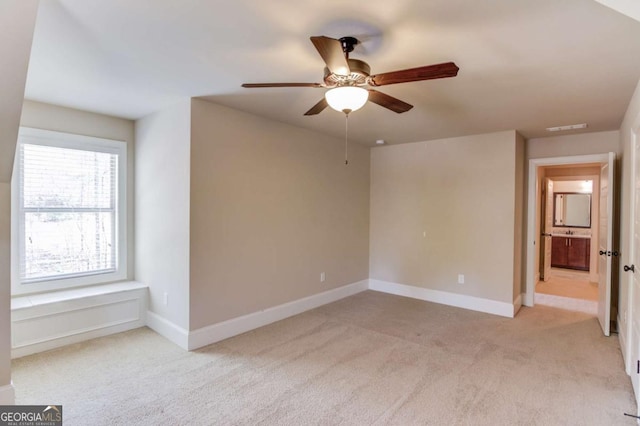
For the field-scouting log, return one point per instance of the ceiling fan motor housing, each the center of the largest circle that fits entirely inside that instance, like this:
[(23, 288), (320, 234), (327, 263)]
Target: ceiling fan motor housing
[(360, 71)]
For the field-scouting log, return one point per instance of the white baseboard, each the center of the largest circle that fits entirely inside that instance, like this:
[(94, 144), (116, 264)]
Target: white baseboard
[(168, 329), (7, 395), (47, 321), (216, 332), (527, 299), (451, 299)]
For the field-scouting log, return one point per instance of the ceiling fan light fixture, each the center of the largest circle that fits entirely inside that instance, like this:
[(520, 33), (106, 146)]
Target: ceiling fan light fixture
[(347, 98)]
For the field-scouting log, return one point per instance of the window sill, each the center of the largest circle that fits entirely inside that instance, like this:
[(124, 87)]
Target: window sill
[(33, 300)]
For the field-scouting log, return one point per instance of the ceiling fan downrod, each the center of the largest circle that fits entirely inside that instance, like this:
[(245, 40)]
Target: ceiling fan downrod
[(348, 44)]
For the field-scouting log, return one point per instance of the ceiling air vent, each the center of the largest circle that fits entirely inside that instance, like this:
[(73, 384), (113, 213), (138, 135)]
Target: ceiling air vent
[(569, 127)]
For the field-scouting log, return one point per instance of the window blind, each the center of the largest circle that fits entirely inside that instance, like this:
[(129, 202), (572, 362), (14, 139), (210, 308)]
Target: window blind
[(68, 207)]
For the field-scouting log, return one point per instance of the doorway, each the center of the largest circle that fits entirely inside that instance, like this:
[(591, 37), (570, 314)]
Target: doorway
[(599, 169), (568, 276)]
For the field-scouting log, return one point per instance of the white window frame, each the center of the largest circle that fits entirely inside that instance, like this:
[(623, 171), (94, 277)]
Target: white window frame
[(70, 141)]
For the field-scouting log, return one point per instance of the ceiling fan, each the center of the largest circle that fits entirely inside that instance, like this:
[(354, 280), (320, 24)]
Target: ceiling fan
[(346, 78)]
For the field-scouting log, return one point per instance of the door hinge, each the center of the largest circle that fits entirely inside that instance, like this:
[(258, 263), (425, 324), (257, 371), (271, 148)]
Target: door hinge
[(638, 367)]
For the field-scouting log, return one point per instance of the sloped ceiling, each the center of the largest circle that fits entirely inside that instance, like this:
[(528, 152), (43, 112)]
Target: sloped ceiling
[(17, 20), (631, 8), (524, 65)]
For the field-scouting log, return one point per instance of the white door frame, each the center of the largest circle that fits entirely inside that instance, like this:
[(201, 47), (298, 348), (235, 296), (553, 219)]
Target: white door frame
[(546, 225), (531, 210)]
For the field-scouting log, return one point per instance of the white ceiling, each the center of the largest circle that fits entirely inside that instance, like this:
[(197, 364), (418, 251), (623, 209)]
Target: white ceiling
[(524, 65)]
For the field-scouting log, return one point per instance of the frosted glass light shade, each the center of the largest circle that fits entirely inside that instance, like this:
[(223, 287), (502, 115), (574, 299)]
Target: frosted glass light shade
[(349, 98)]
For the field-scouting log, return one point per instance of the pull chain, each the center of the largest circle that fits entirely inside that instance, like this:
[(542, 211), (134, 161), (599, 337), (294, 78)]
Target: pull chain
[(346, 136)]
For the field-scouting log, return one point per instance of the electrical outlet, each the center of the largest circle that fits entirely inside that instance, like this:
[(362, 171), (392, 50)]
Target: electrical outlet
[(322, 277), (460, 278), (166, 299)]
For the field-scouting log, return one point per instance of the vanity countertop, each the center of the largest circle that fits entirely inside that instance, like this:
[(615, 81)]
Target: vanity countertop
[(571, 235)]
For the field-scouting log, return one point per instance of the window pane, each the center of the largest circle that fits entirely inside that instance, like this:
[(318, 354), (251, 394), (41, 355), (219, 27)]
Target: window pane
[(70, 205), (63, 243), (68, 178)]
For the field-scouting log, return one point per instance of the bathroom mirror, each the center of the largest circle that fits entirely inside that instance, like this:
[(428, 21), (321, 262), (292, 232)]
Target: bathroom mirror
[(572, 210)]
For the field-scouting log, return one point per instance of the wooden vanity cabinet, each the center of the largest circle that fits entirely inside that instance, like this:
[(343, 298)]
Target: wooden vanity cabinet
[(571, 253), (559, 249)]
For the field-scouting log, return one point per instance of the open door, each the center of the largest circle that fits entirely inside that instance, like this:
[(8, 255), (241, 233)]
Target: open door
[(546, 229), (632, 269), (605, 243)]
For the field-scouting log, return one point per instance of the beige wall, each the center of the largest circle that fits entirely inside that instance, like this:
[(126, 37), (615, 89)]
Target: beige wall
[(68, 120), (571, 145), (461, 192), (272, 206), (162, 210)]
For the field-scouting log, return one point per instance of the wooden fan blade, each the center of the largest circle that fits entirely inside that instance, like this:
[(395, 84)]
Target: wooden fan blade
[(389, 102), (331, 51), (429, 72), (317, 108), (261, 85)]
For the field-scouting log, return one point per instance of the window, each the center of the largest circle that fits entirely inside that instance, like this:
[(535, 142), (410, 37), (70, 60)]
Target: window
[(70, 210)]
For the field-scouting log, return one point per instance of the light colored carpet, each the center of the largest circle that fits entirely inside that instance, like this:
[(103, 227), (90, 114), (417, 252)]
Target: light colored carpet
[(370, 359)]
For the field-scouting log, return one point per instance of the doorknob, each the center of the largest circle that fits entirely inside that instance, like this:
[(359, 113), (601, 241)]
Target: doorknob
[(628, 268)]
